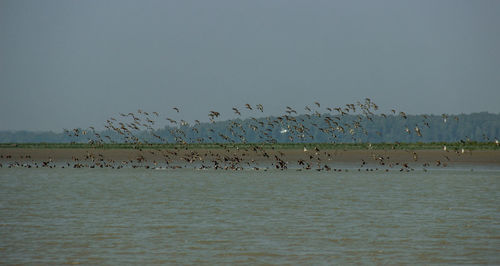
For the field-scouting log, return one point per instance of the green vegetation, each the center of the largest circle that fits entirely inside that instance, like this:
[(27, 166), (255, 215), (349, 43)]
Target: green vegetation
[(279, 146)]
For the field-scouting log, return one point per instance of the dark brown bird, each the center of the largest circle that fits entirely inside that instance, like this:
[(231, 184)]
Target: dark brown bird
[(236, 111)]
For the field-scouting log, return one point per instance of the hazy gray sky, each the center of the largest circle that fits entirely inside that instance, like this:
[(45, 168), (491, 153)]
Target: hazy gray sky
[(66, 64)]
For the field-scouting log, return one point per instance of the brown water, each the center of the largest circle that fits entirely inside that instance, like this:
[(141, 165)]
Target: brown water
[(54, 216)]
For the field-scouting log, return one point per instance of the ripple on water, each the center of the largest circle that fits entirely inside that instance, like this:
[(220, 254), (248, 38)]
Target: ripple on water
[(93, 216)]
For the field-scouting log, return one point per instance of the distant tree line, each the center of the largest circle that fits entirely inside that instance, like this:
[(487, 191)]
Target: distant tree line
[(320, 128)]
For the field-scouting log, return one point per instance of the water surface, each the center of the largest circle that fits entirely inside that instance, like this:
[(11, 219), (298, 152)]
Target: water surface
[(107, 216)]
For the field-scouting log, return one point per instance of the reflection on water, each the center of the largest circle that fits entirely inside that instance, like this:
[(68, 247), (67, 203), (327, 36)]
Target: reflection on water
[(192, 217)]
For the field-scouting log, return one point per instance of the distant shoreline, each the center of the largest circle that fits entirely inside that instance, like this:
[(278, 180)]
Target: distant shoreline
[(286, 146)]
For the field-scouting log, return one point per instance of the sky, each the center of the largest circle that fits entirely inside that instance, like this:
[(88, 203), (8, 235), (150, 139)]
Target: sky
[(67, 64)]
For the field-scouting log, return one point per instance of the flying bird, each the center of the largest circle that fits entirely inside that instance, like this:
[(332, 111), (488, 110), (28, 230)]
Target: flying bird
[(236, 111)]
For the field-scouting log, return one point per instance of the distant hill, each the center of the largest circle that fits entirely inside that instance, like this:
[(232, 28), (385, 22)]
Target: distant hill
[(481, 127)]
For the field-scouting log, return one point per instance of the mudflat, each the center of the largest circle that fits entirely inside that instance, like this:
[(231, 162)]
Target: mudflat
[(472, 157)]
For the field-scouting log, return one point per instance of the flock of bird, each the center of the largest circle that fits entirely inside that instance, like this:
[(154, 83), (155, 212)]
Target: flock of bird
[(230, 154), (131, 127)]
